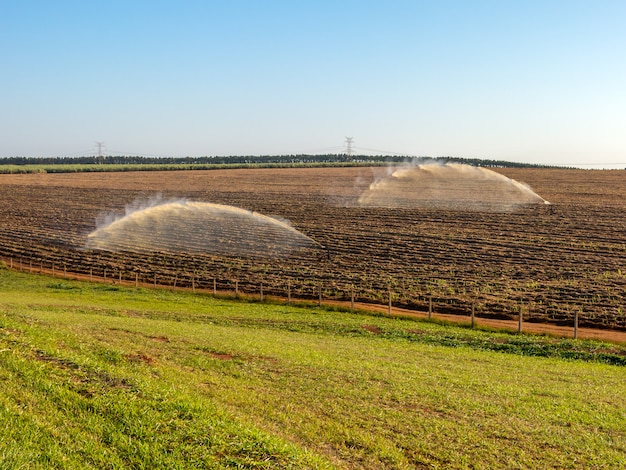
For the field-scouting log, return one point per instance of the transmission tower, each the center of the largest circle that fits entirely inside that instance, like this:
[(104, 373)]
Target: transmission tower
[(349, 147), (100, 146)]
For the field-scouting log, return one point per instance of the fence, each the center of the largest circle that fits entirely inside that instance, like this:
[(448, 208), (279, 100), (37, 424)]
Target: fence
[(312, 292)]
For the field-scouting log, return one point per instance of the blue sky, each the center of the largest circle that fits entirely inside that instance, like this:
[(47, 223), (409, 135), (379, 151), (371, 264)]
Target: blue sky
[(528, 81)]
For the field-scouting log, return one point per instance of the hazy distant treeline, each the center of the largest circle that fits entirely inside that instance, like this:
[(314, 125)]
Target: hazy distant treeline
[(251, 159)]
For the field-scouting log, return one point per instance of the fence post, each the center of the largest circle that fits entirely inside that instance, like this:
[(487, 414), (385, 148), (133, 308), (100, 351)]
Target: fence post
[(175, 281), (120, 279), (352, 300), (319, 302), (90, 274), (30, 266), (430, 307), (136, 279), (155, 279), (288, 292), (576, 324), (261, 292), (472, 321), (193, 282), (53, 269), (519, 318), (389, 307), (214, 286)]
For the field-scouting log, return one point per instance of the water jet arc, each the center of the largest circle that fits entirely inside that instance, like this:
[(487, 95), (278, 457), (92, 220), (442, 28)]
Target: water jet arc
[(198, 227), (449, 186)]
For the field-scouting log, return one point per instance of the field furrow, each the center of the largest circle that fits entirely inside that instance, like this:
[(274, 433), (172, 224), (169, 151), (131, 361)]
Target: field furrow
[(553, 260)]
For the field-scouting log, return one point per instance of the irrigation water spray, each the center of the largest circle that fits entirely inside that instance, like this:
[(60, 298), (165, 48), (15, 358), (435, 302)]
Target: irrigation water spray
[(197, 227), (450, 186)]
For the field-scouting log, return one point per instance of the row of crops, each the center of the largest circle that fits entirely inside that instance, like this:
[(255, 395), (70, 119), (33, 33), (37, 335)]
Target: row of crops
[(550, 260)]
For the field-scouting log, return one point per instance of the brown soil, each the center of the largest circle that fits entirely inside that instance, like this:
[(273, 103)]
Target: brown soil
[(552, 260)]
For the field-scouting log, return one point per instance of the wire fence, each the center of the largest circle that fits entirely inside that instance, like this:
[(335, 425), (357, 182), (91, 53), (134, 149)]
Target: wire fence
[(310, 291)]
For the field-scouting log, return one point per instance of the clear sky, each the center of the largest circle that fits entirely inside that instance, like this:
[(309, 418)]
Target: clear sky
[(539, 81)]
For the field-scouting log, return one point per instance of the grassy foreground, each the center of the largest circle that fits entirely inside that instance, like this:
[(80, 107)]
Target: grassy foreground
[(98, 376)]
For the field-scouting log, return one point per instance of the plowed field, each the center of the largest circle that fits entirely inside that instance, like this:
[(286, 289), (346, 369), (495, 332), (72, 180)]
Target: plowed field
[(551, 260)]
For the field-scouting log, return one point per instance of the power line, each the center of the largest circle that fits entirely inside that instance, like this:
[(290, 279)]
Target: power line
[(100, 146), (349, 147), (383, 151)]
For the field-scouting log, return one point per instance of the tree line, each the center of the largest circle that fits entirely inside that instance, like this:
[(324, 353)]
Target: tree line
[(254, 159)]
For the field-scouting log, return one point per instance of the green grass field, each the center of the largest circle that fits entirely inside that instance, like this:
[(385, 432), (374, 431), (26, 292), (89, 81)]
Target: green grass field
[(99, 376), (115, 167)]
